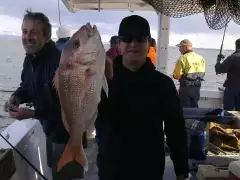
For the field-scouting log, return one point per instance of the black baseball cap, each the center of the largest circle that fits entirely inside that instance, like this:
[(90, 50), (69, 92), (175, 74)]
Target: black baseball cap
[(134, 25)]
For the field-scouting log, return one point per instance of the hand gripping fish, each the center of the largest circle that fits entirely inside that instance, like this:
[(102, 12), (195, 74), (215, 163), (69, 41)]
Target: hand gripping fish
[(78, 81)]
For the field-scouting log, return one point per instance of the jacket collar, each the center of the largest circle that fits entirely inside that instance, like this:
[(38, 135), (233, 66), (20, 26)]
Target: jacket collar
[(63, 40), (187, 52), (147, 67), (38, 56)]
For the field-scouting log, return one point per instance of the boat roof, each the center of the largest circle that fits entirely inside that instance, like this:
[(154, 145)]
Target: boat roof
[(130, 5)]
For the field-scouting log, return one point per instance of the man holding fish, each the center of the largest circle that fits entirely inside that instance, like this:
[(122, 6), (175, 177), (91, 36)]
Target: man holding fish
[(39, 67), (130, 121), (136, 99)]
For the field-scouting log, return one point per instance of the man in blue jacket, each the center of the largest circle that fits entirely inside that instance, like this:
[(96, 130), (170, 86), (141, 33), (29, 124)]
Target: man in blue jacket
[(63, 34), (40, 64)]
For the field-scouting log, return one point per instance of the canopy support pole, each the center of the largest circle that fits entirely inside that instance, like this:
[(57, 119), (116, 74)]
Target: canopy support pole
[(162, 42)]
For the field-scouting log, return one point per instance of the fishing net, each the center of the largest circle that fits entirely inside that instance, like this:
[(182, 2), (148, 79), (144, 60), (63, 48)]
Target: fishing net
[(217, 13)]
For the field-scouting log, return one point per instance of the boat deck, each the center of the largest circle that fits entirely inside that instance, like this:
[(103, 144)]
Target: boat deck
[(20, 131), (26, 138), (91, 153)]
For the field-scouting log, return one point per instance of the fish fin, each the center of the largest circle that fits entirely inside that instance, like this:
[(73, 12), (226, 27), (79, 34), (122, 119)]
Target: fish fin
[(65, 123), (70, 154), (87, 85), (94, 117), (92, 120), (81, 158), (66, 157), (105, 85), (87, 82), (56, 81)]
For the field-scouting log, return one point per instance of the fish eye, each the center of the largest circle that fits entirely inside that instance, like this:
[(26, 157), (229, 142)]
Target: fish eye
[(76, 44)]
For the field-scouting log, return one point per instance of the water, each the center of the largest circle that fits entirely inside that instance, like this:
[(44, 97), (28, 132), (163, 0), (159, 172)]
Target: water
[(12, 56)]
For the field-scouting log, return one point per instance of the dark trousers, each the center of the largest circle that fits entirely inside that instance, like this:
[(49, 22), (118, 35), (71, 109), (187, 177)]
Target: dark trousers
[(97, 136), (85, 141), (196, 145), (231, 99), (109, 170), (189, 97), (123, 161), (69, 172)]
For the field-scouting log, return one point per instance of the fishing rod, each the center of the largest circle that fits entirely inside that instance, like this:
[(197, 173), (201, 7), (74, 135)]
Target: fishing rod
[(59, 14), (220, 56), (224, 33), (22, 156)]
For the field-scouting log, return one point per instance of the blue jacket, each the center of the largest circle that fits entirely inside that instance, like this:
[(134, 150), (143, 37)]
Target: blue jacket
[(36, 86), (61, 43)]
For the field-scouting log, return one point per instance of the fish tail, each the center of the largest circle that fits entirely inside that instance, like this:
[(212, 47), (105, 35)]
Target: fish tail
[(70, 154)]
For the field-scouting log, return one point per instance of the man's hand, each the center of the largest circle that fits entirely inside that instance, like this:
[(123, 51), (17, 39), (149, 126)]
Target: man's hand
[(21, 113), (220, 57), (13, 102)]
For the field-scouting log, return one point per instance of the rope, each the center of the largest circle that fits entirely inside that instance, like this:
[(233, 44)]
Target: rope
[(59, 14)]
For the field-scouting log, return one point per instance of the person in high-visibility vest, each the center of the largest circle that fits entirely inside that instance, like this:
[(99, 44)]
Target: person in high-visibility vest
[(190, 70)]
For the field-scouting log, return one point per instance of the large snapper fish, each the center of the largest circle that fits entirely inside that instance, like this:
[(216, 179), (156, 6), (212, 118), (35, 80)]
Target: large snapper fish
[(78, 81)]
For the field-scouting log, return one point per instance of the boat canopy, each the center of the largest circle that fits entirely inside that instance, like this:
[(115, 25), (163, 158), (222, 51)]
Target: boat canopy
[(130, 5), (217, 13)]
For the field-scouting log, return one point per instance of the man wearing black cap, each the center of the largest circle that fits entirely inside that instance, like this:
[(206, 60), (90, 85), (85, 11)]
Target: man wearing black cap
[(130, 121), (231, 66)]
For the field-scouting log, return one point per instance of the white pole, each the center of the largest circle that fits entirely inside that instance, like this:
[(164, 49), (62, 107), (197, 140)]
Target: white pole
[(162, 42)]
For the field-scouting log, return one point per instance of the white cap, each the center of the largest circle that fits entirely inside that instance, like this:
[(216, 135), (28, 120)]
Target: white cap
[(63, 32)]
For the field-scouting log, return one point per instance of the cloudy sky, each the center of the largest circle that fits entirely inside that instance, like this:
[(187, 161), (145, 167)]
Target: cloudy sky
[(193, 27)]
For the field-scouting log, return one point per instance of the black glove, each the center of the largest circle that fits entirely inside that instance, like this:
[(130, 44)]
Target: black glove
[(220, 57)]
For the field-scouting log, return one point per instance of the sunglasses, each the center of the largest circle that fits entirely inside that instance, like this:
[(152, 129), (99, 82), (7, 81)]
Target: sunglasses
[(129, 39)]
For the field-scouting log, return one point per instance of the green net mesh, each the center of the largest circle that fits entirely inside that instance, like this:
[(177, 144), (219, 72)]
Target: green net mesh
[(217, 13)]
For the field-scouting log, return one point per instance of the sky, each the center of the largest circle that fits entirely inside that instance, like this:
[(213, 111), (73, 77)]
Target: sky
[(192, 27)]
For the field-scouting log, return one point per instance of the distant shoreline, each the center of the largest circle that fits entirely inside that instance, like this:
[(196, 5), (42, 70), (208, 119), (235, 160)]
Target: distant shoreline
[(13, 37)]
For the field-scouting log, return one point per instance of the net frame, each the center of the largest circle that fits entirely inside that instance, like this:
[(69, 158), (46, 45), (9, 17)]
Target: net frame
[(217, 13)]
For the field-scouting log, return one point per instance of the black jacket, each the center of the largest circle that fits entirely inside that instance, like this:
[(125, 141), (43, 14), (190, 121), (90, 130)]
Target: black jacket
[(130, 125), (37, 87), (231, 66), (61, 43)]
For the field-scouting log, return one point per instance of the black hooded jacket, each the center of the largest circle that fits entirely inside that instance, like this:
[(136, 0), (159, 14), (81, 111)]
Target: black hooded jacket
[(130, 124), (37, 87)]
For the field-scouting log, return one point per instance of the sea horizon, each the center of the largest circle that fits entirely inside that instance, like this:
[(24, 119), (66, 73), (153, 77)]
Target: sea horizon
[(16, 37)]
